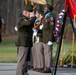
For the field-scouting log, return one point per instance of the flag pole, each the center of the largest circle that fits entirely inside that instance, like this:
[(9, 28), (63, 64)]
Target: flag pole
[(61, 53), (72, 62)]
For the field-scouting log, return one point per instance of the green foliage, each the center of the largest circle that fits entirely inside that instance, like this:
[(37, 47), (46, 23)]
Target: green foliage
[(68, 59), (49, 2), (66, 53), (8, 58), (8, 52)]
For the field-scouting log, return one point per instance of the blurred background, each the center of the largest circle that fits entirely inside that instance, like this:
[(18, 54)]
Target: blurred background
[(10, 11)]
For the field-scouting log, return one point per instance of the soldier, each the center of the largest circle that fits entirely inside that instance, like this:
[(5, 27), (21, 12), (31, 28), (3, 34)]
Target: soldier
[(47, 34), (30, 57), (1, 23), (24, 27), (34, 53), (38, 41)]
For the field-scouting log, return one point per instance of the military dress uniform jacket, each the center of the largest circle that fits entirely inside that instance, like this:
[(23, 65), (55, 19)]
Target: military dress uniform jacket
[(24, 31), (48, 28), (39, 34), (38, 37)]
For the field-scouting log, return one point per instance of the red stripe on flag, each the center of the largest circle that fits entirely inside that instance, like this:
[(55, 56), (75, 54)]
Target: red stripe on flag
[(72, 7)]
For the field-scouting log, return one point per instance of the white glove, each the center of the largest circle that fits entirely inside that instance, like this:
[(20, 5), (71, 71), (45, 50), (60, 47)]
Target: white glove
[(34, 30), (16, 28), (41, 26), (50, 43)]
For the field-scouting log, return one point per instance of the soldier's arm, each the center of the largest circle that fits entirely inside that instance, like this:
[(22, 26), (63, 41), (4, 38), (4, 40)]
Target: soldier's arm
[(25, 22)]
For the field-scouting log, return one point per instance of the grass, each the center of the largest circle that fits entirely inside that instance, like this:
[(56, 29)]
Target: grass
[(66, 52), (8, 58), (8, 51)]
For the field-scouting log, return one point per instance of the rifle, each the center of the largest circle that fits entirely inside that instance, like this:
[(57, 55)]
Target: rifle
[(43, 18), (56, 4), (35, 7), (37, 25)]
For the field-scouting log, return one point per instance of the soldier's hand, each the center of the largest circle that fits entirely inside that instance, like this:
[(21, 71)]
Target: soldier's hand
[(49, 43)]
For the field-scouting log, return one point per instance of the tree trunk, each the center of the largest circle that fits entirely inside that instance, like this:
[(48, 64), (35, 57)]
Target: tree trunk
[(10, 11)]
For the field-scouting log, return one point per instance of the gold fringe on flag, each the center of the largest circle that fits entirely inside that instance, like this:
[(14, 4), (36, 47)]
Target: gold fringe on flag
[(38, 2)]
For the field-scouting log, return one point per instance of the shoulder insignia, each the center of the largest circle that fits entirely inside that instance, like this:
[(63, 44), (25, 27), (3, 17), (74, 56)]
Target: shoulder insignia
[(52, 18), (52, 23)]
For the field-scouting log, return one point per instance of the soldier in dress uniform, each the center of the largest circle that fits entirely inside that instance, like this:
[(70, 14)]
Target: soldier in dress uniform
[(35, 40), (40, 49), (2, 23), (48, 37), (38, 42), (24, 31)]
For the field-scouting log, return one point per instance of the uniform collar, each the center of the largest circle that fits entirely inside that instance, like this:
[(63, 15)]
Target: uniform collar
[(38, 19), (47, 14)]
